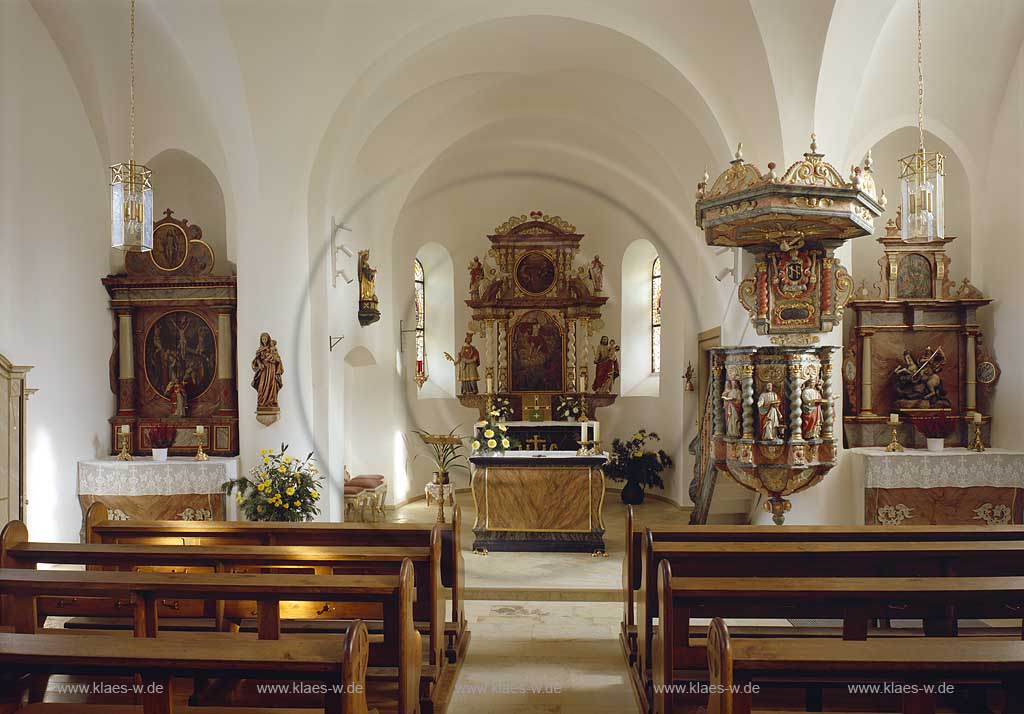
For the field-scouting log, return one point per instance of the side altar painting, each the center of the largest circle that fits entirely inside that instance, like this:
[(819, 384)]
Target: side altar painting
[(533, 338), (174, 343)]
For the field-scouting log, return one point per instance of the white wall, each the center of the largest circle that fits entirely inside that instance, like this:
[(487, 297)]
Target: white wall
[(55, 239), (636, 303)]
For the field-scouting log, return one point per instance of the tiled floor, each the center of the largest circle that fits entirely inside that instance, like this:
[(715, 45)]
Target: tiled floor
[(545, 625)]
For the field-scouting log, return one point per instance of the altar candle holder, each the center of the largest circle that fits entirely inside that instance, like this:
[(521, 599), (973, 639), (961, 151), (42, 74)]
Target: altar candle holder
[(125, 454), (586, 447), (979, 443), (440, 499), (200, 454), (894, 443)]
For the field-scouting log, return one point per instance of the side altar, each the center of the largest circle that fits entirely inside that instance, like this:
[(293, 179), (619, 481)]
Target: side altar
[(549, 501)]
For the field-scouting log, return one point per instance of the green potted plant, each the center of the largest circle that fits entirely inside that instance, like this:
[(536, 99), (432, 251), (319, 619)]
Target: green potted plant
[(278, 488), (445, 450), (637, 467)]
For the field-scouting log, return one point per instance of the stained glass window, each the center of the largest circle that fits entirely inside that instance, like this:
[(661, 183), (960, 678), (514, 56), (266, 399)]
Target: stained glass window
[(656, 316), (419, 284)]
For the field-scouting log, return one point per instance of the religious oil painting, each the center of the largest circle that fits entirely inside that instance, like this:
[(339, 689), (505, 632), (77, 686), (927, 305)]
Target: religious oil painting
[(914, 279), (535, 273), (170, 247), (536, 351), (181, 349)]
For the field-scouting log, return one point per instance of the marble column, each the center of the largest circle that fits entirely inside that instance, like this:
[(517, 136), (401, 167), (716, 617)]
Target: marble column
[(865, 374), (971, 401), (127, 387)]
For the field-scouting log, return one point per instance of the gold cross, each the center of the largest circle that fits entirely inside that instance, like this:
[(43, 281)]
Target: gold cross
[(536, 442)]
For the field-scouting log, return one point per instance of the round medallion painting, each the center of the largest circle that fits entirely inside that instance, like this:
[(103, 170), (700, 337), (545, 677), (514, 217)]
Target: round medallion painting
[(170, 247), (535, 273), (180, 347)]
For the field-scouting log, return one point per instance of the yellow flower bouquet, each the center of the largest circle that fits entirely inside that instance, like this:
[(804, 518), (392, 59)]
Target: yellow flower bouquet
[(278, 488), (490, 435)]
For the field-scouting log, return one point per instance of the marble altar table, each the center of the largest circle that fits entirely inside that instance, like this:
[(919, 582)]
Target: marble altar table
[(179, 488), (539, 501), (955, 486)]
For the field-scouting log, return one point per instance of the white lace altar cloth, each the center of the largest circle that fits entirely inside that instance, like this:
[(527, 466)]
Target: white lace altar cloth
[(145, 477), (949, 468)]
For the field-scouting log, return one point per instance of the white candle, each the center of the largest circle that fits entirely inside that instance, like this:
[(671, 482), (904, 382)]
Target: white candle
[(125, 429), (200, 429), (597, 430), (490, 385), (583, 384), (894, 419), (583, 431), (977, 417)]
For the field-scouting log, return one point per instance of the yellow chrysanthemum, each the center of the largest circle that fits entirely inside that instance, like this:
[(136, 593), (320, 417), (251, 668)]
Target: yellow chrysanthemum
[(287, 459), (489, 433), (290, 491), (259, 509), (503, 427), (298, 503), (476, 445), (314, 493), (505, 443), (491, 443), (481, 423), (282, 469), (286, 505), (266, 459), (495, 412), (637, 454)]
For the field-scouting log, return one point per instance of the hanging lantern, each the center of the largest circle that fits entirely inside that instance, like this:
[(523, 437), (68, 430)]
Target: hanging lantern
[(131, 194), (131, 207), (921, 174)]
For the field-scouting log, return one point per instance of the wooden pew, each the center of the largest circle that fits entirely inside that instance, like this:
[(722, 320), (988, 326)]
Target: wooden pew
[(366, 535), (340, 665), (387, 596), (939, 602), (17, 551), (809, 559), (735, 664), (632, 570)]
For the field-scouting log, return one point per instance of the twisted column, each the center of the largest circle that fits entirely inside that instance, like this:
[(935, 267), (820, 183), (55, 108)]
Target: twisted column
[(796, 402), (717, 408), (747, 392), (828, 412), (571, 355), (503, 356)]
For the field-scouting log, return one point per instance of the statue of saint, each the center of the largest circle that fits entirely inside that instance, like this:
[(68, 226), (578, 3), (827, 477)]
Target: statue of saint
[(812, 409), (467, 366), (731, 397), (267, 370), (771, 417), (476, 276), (606, 366), (367, 277), (597, 273)]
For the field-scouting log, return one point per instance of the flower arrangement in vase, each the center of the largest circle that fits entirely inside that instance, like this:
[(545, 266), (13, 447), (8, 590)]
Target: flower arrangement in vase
[(161, 438), (503, 406), (491, 435), (639, 468), (935, 428), (278, 488), (569, 408)]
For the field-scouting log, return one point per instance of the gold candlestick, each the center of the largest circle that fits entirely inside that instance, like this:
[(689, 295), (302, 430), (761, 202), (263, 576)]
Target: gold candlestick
[(979, 443), (440, 499), (200, 454), (125, 454), (894, 444)]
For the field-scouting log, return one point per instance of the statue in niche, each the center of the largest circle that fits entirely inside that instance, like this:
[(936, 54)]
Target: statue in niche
[(811, 408), (918, 383), (597, 273), (731, 398), (476, 276), (467, 366), (368, 304), (606, 366), (771, 416), (266, 380)]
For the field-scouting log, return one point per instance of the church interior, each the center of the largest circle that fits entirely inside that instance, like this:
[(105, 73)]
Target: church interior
[(422, 356)]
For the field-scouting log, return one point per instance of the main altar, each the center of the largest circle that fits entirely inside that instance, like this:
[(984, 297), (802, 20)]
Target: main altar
[(539, 501), (535, 315)]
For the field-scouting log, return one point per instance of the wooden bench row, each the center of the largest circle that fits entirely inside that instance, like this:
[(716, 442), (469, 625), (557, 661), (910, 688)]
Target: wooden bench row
[(355, 535)]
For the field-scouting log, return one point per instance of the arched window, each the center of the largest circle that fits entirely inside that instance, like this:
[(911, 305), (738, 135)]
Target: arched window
[(656, 316), (419, 287)]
